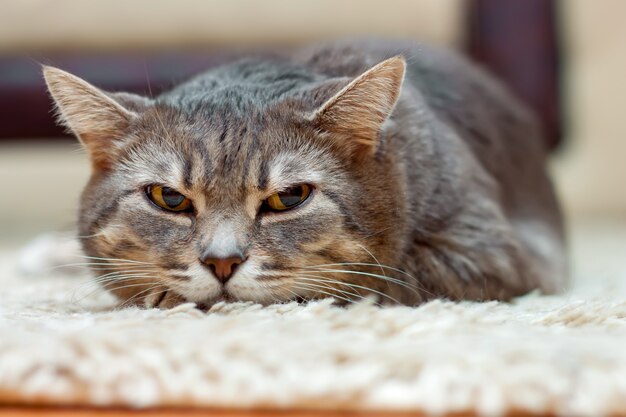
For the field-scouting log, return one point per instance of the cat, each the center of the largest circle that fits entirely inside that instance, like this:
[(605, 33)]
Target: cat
[(385, 170)]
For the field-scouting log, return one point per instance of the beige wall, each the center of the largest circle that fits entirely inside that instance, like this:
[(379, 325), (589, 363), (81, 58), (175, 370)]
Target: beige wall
[(41, 184), (40, 25), (592, 171), (40, 188)]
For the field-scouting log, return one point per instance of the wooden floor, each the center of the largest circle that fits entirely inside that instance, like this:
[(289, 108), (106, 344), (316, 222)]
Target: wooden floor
[(18, 411), (87, 412)]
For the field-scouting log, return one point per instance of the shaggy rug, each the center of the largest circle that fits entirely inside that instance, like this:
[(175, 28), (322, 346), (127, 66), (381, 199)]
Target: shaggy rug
[(63, 342)]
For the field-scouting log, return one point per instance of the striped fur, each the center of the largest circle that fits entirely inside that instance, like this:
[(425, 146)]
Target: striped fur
[(423, 183)]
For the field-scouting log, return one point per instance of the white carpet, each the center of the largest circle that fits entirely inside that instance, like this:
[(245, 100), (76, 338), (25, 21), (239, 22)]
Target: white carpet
[(62, 343)]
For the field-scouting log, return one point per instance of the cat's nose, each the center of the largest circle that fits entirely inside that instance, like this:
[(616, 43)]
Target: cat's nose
[(222, 268)]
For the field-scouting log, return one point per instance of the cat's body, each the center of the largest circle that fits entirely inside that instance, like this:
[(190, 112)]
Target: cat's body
[(431, 187)]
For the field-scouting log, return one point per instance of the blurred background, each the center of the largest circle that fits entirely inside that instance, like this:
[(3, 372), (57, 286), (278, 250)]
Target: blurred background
[(564, 58)]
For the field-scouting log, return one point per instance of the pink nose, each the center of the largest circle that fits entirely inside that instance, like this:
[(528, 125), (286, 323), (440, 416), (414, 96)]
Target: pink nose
[(222, 268)]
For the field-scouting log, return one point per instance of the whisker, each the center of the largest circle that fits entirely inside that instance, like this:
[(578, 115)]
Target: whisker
[(125, 271), (320, 279), (268, 289), (363, 264), (99, 284), (348, 294), (140, 293), (122, 277), (378, 263), (415, 286), (317, 290), (369, 274), (75, 300), (308, 287), (100, 265), (373, 257), (316, 287), (111, 259), (123, 287), (295, 294)]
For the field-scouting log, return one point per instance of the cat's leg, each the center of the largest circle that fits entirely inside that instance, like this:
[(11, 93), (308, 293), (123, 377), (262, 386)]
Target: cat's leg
[(478, 255)]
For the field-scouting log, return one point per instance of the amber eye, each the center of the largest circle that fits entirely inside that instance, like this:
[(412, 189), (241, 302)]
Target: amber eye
[(288, 199), (168, 198)]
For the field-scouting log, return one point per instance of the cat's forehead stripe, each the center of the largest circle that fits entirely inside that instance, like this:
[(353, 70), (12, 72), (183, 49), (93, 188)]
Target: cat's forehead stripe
[(188, 172), (153, 165), (289, 168), (263, 175)]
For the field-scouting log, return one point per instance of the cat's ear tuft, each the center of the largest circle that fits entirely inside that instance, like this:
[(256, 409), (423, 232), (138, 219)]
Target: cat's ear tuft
[(358, 111), (96, 118)]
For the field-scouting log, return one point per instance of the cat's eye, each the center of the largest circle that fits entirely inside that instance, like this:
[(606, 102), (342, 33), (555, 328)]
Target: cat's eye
[(168, 199), (288, 198)]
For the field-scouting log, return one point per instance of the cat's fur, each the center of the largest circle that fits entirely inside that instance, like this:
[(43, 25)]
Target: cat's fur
[(429, 181)]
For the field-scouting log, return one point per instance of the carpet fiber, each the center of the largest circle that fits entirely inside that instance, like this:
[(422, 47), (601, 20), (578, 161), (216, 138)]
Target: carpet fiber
[(63, 342)]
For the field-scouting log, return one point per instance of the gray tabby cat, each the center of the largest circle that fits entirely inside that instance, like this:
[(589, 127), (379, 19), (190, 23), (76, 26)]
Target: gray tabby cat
[(388, 170)]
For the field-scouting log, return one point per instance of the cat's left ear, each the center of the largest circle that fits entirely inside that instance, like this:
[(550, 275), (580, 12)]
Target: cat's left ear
[(357, 112), (97, 118)]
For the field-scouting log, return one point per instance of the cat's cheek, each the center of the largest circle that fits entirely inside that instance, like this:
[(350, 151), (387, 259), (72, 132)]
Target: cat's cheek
[(160, 230), (299, 232)]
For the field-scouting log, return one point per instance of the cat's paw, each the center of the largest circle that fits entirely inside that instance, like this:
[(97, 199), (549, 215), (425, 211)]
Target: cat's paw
[(163, 300)]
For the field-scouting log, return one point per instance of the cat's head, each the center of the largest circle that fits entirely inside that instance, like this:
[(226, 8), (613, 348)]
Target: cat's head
[(297, 198)]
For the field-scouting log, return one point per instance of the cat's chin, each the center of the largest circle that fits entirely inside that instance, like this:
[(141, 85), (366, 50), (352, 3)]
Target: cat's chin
[(170, 299), (226, 297), (223, 297)]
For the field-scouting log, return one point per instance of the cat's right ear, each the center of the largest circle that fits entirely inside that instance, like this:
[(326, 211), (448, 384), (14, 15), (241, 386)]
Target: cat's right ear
[(98, 119)]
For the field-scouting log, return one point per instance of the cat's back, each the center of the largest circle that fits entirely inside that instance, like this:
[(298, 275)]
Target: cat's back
[(457, 91), (499, 132)]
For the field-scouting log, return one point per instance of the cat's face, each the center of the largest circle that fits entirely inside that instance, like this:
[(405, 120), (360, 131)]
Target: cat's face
[(282, 204)]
